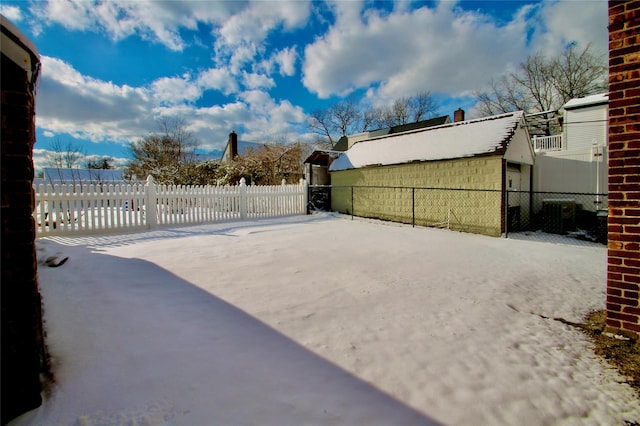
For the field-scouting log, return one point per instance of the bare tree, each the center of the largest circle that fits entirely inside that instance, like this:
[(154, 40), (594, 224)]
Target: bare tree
[(406, 110), (176, 130), (423, 106), (577, 74), (341, 119), (64, 155), (320, 122), (348, 117), (496, 99), (370, 118), (545, 84), (399, 112), (103, 163)]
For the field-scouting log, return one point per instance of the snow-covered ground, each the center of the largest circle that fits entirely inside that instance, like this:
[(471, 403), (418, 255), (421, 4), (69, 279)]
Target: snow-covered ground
[(323, 320)]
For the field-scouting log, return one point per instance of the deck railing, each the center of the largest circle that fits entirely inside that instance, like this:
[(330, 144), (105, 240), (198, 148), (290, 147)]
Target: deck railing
[(83, 209), (547, 143)]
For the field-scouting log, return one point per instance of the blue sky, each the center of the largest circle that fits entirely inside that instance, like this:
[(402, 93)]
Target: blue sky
[(112, 70)]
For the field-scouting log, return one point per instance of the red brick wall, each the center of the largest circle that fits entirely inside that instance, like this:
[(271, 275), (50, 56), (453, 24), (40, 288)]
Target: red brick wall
[(623, 270), (22, 344)]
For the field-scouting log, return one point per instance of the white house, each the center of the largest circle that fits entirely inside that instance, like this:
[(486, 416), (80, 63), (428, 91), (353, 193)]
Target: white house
[(575, 160)]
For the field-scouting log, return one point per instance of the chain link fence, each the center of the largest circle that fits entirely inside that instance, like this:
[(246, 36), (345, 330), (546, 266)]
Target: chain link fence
[(477, 211), (548, 215), (551, 216)]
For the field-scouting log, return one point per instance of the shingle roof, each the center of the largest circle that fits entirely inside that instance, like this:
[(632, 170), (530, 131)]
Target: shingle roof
[(436, 121), (456, 140)]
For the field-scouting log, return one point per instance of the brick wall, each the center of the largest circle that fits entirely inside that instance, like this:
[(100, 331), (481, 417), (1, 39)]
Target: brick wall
[(623, 277), (22, 345)]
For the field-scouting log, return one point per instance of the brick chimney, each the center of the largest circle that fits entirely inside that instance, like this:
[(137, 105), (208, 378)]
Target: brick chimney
[(458, 115), (233, 145)]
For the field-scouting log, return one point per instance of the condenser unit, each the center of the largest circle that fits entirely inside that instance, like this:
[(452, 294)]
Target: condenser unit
[(558, 216)]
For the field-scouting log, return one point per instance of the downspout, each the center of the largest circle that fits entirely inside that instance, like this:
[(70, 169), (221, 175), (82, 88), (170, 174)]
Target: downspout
[(596, 150)]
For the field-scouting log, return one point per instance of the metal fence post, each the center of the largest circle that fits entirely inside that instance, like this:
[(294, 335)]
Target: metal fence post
[(413, 207), (352, 189), (506, 213)]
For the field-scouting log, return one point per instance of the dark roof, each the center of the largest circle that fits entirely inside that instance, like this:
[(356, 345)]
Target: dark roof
[(437, 121), (321, 158), (342, 144)]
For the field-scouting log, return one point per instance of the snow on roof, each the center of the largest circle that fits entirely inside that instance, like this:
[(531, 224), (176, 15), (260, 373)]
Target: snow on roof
[(455, 140), (600, 98), (52, 174)]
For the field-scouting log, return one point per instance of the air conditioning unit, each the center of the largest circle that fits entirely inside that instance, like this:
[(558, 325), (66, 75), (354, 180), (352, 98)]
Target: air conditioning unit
[(558, 215)]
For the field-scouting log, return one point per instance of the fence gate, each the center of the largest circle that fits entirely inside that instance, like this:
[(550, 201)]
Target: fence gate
[(319, 198)]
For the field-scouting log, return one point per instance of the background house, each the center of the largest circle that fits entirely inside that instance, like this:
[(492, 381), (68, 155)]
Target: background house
[(346, 142), (317, 164), (63, 176), (459, 169), (570, 173), (236, 147), (575, 160)]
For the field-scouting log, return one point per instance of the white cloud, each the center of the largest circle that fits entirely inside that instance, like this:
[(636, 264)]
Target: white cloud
[(69, 102), (287, 112), (152, 20), (269, 118), (212, 125), (176, 89), (258, 100), (220, 79), (443, 50), (282, 61), (256, 21), (257, 81), (562, 22), (242, 36), (286, 60), (85, 108), (13, 13), (41, 159)]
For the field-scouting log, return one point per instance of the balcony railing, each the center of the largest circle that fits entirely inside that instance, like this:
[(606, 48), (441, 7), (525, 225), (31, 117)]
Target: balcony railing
[(547, 143)]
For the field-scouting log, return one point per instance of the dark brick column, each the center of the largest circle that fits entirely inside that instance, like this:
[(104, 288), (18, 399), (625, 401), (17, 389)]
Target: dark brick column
[(623, 269), (22, 344)]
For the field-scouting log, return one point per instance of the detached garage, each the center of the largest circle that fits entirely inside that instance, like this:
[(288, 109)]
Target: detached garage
[(455, 174)]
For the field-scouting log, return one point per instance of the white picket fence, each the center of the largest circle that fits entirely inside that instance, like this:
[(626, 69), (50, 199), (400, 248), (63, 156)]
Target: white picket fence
[(69, 209)]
